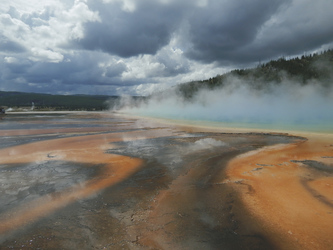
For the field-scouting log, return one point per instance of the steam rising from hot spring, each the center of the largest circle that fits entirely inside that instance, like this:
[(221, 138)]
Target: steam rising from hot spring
[(237, 101)]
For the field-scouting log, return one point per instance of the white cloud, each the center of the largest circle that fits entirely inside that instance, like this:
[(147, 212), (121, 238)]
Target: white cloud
[(45, 55), (126, 5), (74, 18), (27, 7), (9, 59), (202, 3), (45, 35)]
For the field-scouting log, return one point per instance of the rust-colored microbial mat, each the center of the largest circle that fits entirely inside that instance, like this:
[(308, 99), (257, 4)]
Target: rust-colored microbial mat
[(81, 180)]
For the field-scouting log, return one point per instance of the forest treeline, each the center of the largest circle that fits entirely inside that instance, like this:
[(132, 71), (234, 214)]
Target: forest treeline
[(307, 69), (56, 102)]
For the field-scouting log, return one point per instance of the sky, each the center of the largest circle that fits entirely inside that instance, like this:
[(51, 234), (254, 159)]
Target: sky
[(135, 47)]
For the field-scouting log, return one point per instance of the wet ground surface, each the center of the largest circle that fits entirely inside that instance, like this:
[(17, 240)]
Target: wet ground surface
[(178, 198)]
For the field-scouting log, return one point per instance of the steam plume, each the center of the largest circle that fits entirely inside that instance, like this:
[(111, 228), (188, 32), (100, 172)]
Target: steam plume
[(284, 103)]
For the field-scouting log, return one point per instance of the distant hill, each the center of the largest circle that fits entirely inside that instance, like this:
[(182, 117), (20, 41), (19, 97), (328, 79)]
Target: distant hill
[(304, 70), (56, 102)]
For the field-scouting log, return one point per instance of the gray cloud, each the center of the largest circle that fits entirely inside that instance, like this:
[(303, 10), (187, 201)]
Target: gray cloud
[(172, 65), (124, 33), (116, 69)]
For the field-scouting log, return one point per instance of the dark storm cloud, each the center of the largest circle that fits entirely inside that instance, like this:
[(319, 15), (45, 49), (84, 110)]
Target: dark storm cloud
[(219, 31), (14, 70), (7, 45), (77, 70), (223, 30), (303, 28), (124, 33), (242, 32)]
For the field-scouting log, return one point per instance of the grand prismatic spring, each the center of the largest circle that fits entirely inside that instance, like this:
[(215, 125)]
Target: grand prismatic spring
[(81, 180)]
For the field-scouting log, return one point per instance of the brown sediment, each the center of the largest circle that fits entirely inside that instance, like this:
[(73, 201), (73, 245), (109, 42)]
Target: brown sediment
[(81, 149), (72, 148), (293, 215), (52, 131)]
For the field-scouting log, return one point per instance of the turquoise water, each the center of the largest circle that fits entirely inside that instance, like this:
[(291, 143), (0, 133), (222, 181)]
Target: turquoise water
[(318, 126)]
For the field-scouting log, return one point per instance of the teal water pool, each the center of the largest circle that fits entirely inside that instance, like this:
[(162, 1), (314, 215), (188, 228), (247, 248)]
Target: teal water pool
[(302, 125)]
